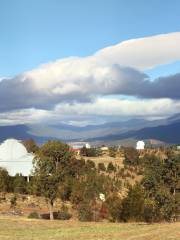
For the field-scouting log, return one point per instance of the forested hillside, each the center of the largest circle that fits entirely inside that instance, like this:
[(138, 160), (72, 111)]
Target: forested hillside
[(135, 186)]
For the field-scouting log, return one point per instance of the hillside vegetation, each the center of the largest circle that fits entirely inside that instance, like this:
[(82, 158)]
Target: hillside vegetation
[(138, 186)]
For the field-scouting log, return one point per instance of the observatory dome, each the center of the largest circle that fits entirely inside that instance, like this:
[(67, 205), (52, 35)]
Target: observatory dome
[(15, 158), (140, 145)]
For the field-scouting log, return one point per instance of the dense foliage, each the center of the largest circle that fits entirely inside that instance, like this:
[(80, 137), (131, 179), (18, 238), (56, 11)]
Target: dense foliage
[(102, 191)]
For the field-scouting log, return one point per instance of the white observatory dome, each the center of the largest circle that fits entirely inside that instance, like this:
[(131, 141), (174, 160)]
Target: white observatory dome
[(15, 158), (12, 149), (140, 145)]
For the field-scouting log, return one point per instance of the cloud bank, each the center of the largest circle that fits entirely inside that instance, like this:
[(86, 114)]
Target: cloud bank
[(101, 108), (115, 70)]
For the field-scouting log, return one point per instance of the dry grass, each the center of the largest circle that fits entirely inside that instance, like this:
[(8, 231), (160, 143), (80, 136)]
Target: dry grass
[(106, 159), (12, 228)]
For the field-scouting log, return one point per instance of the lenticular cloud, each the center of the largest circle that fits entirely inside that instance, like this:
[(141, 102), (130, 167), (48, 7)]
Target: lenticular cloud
[(114, 70)]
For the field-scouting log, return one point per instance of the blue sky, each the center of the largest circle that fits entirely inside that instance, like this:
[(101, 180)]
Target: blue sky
[(38, 31), (86, 61)]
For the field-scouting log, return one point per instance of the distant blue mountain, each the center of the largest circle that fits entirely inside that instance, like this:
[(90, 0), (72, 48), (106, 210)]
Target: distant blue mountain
[(165, 133), (166, 130), (20, 132)]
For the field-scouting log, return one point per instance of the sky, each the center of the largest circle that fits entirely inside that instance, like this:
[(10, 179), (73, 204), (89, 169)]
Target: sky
[(88, 62)]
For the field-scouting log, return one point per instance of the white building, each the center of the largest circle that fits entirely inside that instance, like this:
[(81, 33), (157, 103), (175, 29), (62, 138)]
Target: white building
[(140, 145), (15, 158), (104, 148), (87, 145), (79, 145)]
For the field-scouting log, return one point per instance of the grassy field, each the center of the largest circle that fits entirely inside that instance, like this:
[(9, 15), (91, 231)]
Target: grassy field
[(16, 228)]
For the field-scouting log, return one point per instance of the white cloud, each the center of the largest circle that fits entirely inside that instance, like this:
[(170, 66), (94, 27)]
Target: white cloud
[(121, 108), (143, 53), (100, 109), (24, 116), (107, 66), (79, 84)]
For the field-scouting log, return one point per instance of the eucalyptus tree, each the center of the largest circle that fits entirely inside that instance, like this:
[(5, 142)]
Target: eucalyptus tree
[(53, 162)]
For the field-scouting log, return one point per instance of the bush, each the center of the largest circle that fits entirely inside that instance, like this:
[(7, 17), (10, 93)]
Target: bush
[(111, 167), (149, 210), (65, 189), (90, 165), (13, 201), (114, 206), (63, 215), (101, 167), (133, 204), (103, 212), (33, 215), (131, 157), (112, 151), (5, 180), (165, 204), (85, 213), (19, 184), (90, 152), (46, 216)]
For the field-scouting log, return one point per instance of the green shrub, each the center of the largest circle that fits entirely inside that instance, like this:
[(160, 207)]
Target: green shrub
[(85, 213), (33, 215), (133, 204), (101, 167), (90, 165), (63, 215), (114, 207), (5, 180), (112, 151), (13, 201), (19, 184), (131, 156), (90, 152), (111, 167), (149, 210)]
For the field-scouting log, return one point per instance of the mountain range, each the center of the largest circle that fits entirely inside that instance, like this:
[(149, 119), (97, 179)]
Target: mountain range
[(163, 130)]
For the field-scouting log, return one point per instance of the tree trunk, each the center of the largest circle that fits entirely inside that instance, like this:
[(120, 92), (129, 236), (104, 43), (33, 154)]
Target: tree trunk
[(51, 211), (174, 192)]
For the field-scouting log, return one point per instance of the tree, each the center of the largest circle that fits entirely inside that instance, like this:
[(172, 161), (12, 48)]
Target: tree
[(152, 179), (90, 152), (133, 204), (52, 164), (171, 172), (85, 212), (101, 167), (19, 184), (112, 151), (114, 206), (161, 179), (30, 145), (65, 188), (111, 167), (90, 165), (13, 201), (131, 156), (149, 213), (5, 180), (165, 204)]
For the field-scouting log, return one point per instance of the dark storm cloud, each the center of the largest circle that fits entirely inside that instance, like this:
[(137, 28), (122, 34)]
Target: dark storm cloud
[(163, 87)]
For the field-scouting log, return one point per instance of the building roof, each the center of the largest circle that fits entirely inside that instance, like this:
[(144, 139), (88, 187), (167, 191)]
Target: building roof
[(15, 158)]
